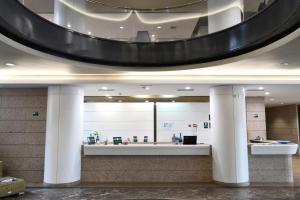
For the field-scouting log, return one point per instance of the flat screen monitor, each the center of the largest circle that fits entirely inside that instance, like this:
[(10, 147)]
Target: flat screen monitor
[(190, 140)]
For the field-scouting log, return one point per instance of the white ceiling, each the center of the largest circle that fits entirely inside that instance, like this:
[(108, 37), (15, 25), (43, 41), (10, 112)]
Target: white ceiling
[(279, 94)]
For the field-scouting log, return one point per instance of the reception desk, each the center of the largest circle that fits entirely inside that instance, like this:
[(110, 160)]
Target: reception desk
[(273, 149), (146, 163), (271, 163), (167, 163), (147, 150)]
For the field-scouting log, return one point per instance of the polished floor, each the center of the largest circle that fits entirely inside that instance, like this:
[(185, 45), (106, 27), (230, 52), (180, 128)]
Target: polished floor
[(171, 192)]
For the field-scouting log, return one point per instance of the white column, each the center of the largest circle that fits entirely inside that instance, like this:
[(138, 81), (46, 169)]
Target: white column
[(66, 16), (63, 134), (229, 135), (224, 14)]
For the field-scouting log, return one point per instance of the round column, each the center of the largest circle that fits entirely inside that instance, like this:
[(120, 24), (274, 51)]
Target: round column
[(63, 135), (229, 135), (67, 17), (223, 14)]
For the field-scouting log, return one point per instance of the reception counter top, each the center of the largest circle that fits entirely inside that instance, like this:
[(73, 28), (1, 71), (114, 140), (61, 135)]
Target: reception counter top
[(273, 149), (146, 149)]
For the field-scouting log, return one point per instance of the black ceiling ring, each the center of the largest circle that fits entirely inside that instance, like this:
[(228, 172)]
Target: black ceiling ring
[(25, 27)]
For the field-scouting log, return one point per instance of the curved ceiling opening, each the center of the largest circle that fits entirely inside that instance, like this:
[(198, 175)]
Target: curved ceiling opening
[(144, 20), (138, 38)]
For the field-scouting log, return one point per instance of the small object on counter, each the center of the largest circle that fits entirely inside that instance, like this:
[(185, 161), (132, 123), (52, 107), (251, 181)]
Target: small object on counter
[(258, 139), (173, 139), (97, 139), (283, 141), (106, 142), (91, 140), (180, 139), (117, 140), (190, 140), (126, 142), (177, 140), (145, 139)]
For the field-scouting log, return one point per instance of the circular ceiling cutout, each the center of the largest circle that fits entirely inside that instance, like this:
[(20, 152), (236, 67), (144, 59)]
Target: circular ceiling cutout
[(145, 4)]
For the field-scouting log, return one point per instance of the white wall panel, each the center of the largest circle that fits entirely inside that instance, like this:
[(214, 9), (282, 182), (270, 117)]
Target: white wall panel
[(180, 115), (119, 119)]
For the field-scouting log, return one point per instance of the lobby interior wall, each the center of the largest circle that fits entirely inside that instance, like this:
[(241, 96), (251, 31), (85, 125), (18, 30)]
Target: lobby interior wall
[(22, 132), (256, 117), (186, 118), (119, 120), (282, 123)]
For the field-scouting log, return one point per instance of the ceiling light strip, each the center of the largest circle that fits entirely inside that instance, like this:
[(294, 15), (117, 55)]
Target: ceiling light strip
[(145, 9)]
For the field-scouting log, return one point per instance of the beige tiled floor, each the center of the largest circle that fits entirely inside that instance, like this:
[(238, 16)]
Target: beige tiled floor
[(296, 163)]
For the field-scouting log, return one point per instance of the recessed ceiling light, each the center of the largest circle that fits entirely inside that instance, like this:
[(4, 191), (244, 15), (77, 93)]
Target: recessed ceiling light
[(272, 99), (260, 88), (267, 93), (104, 88), (121, 27), (284, 64), (110, 97), (159, 27), (69, 25), (168, 96), (107, 95), (143, 96), (90, 33), (10, 64), (187, 88), (153, 35)]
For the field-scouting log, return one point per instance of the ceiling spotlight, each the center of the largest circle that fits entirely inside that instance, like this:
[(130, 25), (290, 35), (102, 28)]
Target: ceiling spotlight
[(260, 88), (158, 27), (187, 88), (69, 25), (272, 99), (110, 97), (90, 33), (284, 64), (267, 93), (121, 27), (104, 88), (10, 64)]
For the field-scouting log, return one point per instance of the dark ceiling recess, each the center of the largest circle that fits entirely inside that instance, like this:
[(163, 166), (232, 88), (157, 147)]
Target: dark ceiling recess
[(25, 27)]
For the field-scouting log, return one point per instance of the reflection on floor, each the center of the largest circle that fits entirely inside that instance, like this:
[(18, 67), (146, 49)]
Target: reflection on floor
[(169, 192), (173, 193)]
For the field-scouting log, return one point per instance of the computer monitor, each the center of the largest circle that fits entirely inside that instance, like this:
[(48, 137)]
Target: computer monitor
[(190, 140)]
